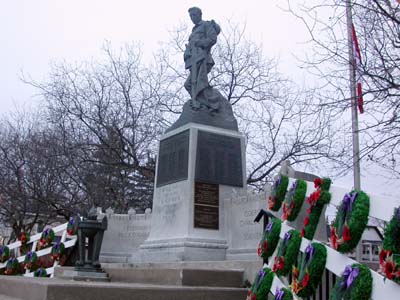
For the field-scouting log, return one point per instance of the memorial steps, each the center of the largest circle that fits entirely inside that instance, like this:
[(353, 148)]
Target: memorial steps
[(156, 282)]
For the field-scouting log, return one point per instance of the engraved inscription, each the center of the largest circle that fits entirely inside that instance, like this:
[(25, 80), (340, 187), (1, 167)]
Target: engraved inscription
[(206, 217), (218, 159), (206, 193), (173, 159)]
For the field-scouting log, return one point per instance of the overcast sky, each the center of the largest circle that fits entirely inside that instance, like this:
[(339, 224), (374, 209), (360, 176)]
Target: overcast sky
[(35, 33)]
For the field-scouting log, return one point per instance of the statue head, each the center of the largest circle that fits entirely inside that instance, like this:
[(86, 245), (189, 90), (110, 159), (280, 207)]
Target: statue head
[(195, 15)]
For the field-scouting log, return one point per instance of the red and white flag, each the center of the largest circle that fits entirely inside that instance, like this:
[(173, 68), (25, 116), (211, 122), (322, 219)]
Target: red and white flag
[(357, 65)]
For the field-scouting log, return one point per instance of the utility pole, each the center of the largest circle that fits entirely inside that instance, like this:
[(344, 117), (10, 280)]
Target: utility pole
[(354, 112)]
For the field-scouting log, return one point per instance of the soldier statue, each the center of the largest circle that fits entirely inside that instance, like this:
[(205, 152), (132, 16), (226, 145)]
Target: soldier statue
[(199, 61)]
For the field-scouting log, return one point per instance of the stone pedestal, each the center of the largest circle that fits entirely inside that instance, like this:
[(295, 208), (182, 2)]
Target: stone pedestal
[(198, 166)]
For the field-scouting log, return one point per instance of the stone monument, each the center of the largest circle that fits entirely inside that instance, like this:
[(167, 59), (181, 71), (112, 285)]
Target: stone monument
[(200, 162)]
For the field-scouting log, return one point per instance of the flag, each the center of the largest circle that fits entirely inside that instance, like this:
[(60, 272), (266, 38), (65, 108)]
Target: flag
[(357, 65)]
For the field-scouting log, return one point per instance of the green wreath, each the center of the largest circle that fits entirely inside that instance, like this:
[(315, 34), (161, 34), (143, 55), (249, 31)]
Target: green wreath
[(389, 257), (24, 238), (355, 283), (350, 222), (270, 239), (4, 253), (261, 285), (287, 253), (310, 267), (30, 260), (316, 201), (72, 226), (57, 251), (278, 193), (46, 238), (294, 200), (41, 272), (11, 266), (283, 294)]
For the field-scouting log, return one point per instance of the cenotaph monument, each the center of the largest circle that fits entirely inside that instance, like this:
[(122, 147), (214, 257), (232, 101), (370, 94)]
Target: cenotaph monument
[(200, 162)]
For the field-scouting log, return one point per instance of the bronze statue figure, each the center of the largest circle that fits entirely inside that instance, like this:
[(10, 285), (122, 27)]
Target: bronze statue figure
[(199, 61)]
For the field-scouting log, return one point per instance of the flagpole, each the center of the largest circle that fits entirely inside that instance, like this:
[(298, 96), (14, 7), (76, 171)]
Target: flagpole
[(354, 113)]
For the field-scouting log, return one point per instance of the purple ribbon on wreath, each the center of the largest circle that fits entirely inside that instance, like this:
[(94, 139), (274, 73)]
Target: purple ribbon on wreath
[(269, 227), (261, 275), (279, 294), (287, 236), (349, 275), (294, 185), (309, 252), (46, 232), (29, 255), (72, 221), (348, 202), (277, 182)]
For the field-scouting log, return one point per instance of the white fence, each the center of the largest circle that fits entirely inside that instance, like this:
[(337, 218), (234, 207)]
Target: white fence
[(380, 208), (68, 240)]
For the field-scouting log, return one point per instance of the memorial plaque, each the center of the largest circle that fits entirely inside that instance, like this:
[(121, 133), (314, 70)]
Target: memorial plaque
[(173, 159), (218, 159), (206, 217), (206, 205), (206, 193)]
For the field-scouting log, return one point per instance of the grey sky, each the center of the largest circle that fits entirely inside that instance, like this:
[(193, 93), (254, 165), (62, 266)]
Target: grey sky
[(36, 32)]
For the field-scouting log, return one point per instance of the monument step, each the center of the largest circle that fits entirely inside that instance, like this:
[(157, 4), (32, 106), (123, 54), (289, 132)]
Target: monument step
[(166, 276), (51, 289), (248, 267), (183, 277)]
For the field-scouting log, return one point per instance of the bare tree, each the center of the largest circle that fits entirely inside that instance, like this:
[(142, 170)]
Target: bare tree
[(34, 186), (377, 25), (109, 119)]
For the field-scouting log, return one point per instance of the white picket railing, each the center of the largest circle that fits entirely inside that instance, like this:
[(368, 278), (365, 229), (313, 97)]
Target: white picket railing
[(380, 208), (68, 240)]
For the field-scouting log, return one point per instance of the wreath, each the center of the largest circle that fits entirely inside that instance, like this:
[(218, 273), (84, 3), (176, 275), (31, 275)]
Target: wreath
[(294, 200), (278, 193), (30, 260), (310, 267), (283, 294), (355, 283), (41, 272), (287, 253), (11, 266), (316, 201), (350, 222), (46, 238), (270, 239), (4, 253), (72, 226), (389, 257), (57, 251), (261, 285), (24, 238)]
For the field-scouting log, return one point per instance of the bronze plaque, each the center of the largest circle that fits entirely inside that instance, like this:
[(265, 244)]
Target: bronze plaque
[(206, 216), (206, 205), (218, 159), (206, 193), (173, 159)]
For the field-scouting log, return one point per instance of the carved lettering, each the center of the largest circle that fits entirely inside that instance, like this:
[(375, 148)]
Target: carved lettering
[(218, 159), (173, 159)]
